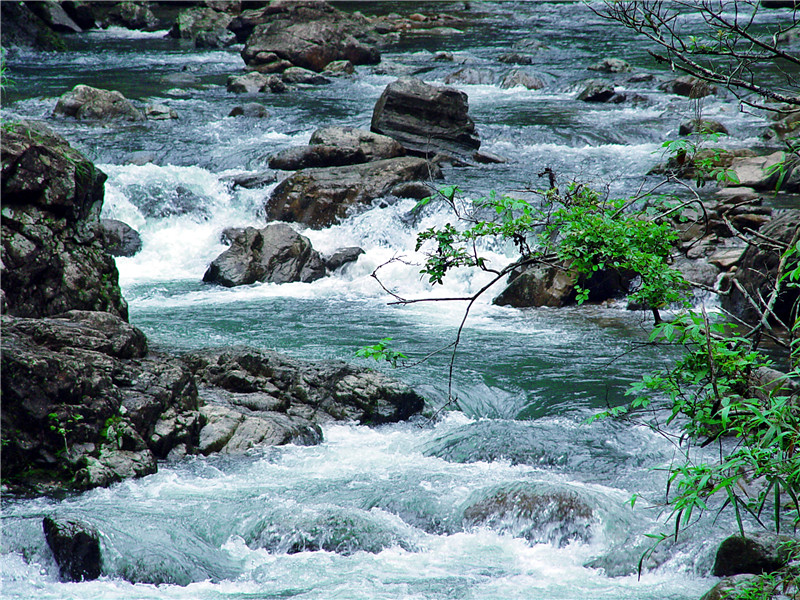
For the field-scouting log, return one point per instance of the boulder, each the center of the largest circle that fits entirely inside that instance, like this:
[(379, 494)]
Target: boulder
[(52, 253), (85, 404), (372, 145), (159, 112), (316, 155), (426, 119), (251, 83), (337, 68), (689, 86), (277, 254), (300, 75), (251, 181), (597, 90), (521, 78), (314, 392), (754, 553), (54, 15), (764, 173), (120, 239), (320, 197), (131, 15), (207, 27), (514, 58), (252, 110), (702, 126), (342, 257), (610, 65), (76, 548), (311, 45), (87, 103), (757, 272), (555, 517), (471, 76)]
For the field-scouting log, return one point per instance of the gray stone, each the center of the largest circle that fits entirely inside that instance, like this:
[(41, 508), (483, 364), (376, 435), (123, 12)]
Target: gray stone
[(252, 110), (754, 553), (426, 119), (159, 112), (316, 155), (305, 76), (471, 76), (702, 126), (610, 65), (337, 68), (521, 78), (120, 239), (276, 253), (76, 548), (206, 26), (88, 103), (250, 83), (342, 257), (373, 145), (689, 86), (597, 90)]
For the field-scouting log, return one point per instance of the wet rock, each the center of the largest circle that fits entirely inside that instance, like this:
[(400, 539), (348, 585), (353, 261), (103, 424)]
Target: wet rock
[(786, 123), (758, 269), (120, 239), (251, 83), (514, 58), (416, 190), (276, 85), (521, 78), (698, 271), (764, 172), (308, 44), (166, 201), (610, 65), (689, 86), (372, 145), (131, 15), (702, 126), (342, 257), (316, 155), (252, 110), (76, 548), (86, 405), (207, 27), (276, 253), (596, 90), (23, 28), (52, 254), (488, 158), (337, 68), (425, 119), (251, 181), (54, 15), (300, 75), (159, 112), (87, 103), (471, 76), (318, 392), (754, 553), (555, 517), (320, 197)]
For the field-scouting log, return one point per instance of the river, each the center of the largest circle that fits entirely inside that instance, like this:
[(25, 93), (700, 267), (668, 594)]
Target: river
[(390, 506)]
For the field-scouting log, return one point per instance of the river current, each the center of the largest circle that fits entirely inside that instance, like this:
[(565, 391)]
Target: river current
[(391, 505)]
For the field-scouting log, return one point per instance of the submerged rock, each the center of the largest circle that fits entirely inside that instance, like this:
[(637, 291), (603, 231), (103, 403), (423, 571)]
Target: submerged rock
[(320, 197), (76, 548), (52, 254), (426, 119), (276, 253), (84, 102)]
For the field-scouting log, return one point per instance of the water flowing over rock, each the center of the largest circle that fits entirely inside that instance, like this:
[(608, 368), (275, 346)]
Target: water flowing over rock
[(426, 119), (306, 34), (88, 103), (52, 253), (597, 90), (276, 253), (120, 239), (320, 197), (757, 271), (76, 548), (85, 404), (311, 392)]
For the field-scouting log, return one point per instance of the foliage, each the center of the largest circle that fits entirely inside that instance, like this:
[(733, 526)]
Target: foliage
[(381, 352), (705, 164), (63, 426)]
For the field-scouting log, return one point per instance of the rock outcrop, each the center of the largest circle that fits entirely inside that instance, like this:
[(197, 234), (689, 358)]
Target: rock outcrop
[(205, 26), (85, 404), (320, 197), (52, 252), (426, 119), (276, 253), (23, 28), (88, 103)]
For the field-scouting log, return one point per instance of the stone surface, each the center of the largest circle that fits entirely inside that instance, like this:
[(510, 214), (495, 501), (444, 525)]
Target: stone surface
[(342, 257), (320, 197), (131, 15), (763, 172), (727, 588), (754, 553), (251, 83), (252, 110), (23, 28), (314, 392), (87, 103), (689, 86), (206, 26), (52, 253), (521, 78), (374, 146), (471, 76), (85, 404), (276, 253), (76, 548), (610, 65), (305, 76), (316, 155), (758, 269), (120, 239), (426, 119), (54, 15), (702, 126), (597, 90), (159, 112)]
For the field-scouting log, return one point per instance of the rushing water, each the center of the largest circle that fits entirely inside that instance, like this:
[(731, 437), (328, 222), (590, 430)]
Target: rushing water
[(385, 512)]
